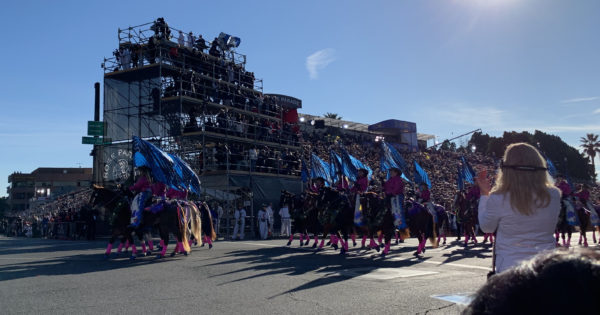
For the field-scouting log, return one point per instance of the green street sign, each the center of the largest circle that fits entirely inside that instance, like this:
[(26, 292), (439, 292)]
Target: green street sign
[(95, 140), (95, 128)]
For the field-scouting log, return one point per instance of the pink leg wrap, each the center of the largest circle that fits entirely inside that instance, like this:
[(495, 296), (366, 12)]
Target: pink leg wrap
[(492, 238), (292, 237), (334, 239), (151, 245), (345, 244), (353, 237), (164, 250), (380, 238), (133, 249), (322, 243), (364, 240), (143, 247), (387, 248), (316, 239), (127, 245), (466, 238), (474, 238), (372, 243), (120, 247), (162, 243), (208, 240), (109, 249), (397, 235)]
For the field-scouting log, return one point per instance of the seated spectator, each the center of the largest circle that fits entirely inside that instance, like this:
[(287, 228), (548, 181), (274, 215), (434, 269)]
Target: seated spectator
[(558, 282)]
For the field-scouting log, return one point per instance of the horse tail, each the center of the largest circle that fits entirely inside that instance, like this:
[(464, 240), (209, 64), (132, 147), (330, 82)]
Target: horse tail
[(433, 237), (404, 233), (196, 224), (182, 222)]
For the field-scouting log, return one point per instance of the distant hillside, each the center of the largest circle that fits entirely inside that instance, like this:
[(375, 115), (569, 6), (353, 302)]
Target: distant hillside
[(566, 159)]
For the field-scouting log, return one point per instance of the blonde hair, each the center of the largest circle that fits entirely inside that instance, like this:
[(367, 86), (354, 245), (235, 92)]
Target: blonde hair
[(529, 189)]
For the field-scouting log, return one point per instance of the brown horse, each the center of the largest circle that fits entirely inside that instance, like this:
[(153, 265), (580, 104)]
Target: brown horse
[(466, 216)]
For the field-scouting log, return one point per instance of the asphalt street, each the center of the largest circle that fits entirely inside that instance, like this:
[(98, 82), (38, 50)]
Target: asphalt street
[(241, 277)]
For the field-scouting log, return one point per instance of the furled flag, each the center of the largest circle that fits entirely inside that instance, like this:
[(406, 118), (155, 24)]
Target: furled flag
[(460, 180), (468, 172), (421, 175), (304, 172), (392, 156)]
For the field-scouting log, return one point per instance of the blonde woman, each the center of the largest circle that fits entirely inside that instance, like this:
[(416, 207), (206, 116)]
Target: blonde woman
[(522, 207)]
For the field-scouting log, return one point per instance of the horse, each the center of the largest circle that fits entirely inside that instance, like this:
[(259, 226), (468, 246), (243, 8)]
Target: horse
[(207, 224), (336, 215), (421, 224), (466, 216), (297, 214), (113, 205), (183, 220), (583, 215), (562, 226), (378, 218), (443, 222)]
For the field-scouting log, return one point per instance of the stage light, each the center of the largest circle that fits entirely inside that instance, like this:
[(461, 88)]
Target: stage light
[(473, 148), (312, 122), (345, 126), (302, 119)]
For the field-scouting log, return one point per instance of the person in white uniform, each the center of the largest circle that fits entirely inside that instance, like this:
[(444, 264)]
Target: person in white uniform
[(240, 223), (271, 217), (522, 208), (181, 39), (286, 223), (263, 222)]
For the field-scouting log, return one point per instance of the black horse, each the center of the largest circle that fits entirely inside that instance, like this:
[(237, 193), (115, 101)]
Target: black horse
[(113, 205)]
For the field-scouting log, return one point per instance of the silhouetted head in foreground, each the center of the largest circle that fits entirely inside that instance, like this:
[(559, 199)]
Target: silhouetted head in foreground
[(558, 282)]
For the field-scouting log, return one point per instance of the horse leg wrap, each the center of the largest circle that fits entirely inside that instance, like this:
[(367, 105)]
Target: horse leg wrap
[(162, 243), (474, 238), (569, 241), (466, 238), (316, 240), (335, 239), (492, 238), (364, 240), (322, 243), (380, 239), (292, 237), (127, 245), (143, 247), (208, 240), (386, 250), (133, 249), (372, 243), (120, 247), (151, 244), (164, 250), (353, 237), (109, 249), (301, 238), (580, 237), (345, 244), (307, 237)]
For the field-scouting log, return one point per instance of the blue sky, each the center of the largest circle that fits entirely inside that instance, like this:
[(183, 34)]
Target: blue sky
[(450, 66)]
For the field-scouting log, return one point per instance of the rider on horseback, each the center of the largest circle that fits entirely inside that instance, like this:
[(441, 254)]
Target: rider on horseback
[(424, 198), (394, 193)]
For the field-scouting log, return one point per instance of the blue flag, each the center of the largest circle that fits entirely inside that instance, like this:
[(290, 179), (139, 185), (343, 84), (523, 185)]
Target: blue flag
[(551, 167), (304, 172), (392, 156), (318, 168), (468, 172), (335, 165), (166, 168), (460, 181), (421, 175), (351, 165)]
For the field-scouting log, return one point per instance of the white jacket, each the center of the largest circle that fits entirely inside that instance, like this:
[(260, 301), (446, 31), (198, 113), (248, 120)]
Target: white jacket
[(519, 237)]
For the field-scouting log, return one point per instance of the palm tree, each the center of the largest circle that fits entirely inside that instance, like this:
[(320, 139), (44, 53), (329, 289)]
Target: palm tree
[(591, 146), (332, 116)]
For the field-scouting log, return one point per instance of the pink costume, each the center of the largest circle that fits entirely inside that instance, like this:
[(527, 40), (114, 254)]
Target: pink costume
[(564, 188), (361, 185), (394, 186), (425, 195), (158, 189), (142, 184), (473, 193), (342, 185), (175, 194), (583, 195)]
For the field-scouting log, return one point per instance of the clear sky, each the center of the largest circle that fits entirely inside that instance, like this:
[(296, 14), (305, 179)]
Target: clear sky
[(451, 66)]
